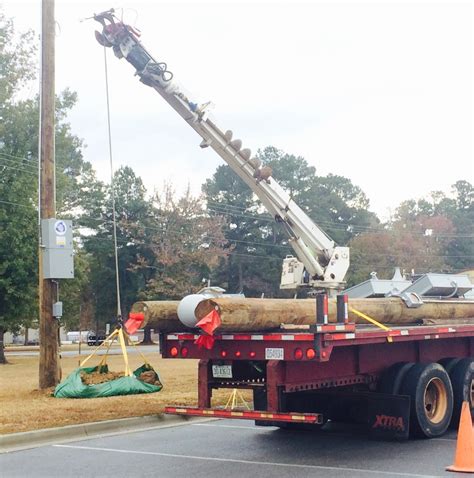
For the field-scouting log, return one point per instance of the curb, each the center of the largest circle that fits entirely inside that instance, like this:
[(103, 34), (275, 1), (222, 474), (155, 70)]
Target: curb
[(25, 440)]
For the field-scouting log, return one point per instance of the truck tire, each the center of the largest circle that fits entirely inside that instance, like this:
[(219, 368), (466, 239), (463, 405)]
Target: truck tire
[(392, 377), (448, 363), (462, 380), (431, 393)]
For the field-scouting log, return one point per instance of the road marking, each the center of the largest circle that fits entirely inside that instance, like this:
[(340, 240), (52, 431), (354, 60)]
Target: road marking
[(246, 462)]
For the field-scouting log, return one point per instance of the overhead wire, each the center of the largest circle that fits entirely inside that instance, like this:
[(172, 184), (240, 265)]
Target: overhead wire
[(266, 245), (340, 226), (16, 168), (215, 206), (112, 185), (18, 157), (270, 245), (434, 235), (22, 162), (17, 204), (239, 241)]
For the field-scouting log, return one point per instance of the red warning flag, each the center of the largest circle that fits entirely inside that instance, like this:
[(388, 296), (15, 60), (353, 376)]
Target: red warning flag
[(135, 319), (210, 322), (205, 341)]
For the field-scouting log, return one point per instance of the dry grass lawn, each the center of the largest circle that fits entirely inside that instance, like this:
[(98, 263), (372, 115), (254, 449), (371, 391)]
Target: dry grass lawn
[(24, 407)]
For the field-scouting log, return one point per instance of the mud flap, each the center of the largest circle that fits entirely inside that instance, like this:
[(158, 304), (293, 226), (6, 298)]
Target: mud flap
[(389, 416)]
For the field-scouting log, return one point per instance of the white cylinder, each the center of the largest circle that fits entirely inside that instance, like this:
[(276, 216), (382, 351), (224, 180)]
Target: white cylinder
[(186, 309), (187, 305)]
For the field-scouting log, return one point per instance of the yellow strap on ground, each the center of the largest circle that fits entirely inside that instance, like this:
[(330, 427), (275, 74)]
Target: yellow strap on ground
[(372, 321), (103, 344), (234, 398), (145, 361), (124, 352), (104, 357)]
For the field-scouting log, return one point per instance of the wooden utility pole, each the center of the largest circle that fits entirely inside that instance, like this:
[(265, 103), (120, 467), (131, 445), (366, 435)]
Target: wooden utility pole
[(49, 371)]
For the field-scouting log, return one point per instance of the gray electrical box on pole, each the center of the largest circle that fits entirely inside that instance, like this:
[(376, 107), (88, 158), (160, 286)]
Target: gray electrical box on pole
[(58, 254)]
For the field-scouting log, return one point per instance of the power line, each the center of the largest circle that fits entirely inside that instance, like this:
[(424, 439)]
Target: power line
[(16, 168), (341, 226), (374, 254), (231, 240), (17, 204), (282, 246), (330, 223), (228, 206), (23, 164), (18, 157), (208, 236), (381, 254), (218, 207), (220, 253), (411, 233)]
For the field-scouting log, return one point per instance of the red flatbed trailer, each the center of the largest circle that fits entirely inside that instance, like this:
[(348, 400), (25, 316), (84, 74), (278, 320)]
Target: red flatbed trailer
[(291, 372), (310, 376)]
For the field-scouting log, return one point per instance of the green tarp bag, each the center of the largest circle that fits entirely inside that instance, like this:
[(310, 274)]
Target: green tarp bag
[(73, 386)]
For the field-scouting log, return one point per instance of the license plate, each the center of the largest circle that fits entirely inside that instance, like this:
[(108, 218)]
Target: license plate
[(222, 371), (274, 354)]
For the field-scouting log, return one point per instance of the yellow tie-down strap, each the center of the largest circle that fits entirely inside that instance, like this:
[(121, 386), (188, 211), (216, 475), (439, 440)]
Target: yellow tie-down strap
[(105, 344), (372, 321)]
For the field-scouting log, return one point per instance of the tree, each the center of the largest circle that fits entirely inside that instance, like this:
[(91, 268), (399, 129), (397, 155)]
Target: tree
[(431, 234), (17, 210), (18, 253), (185, 244), (75, 293), (460, 250), (18, 176), (248, 264), (260, 244), (383, 251), (132, 217)]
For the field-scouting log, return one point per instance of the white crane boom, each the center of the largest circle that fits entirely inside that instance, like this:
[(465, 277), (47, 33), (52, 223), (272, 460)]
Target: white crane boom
[(320, 262)]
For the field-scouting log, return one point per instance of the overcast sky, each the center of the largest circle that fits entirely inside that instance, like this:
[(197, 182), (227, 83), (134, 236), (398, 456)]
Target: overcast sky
[(379, 92)]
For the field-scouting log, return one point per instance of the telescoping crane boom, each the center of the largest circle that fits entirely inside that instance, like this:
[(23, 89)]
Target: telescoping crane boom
[(319, 263)]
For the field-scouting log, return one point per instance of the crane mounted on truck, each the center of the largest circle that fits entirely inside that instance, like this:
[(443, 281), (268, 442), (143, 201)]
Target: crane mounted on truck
[(320, 263), (399, 379)]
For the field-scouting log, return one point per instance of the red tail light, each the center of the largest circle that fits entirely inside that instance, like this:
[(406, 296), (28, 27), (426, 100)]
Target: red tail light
[(184, 352), (310, 354), (174, 351), (298, 354), (223, 353), (252, 354), (238, 353)]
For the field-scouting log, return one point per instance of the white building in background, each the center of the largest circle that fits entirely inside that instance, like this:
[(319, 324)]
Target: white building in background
[(71, 337), (32, 334), (75, 336)]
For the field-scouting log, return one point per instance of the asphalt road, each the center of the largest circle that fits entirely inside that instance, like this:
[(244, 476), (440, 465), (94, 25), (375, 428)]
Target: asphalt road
[(227, 448)]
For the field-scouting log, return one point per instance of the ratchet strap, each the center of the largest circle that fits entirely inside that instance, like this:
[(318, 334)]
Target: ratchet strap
[(372, 321)]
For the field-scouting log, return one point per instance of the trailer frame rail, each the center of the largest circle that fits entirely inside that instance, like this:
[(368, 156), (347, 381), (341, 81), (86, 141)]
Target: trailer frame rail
[(296, 417)]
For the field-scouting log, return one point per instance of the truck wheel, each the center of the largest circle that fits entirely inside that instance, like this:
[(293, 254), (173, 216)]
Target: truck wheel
[(462, 380), (448, 363), (431, 394), (392, 377)]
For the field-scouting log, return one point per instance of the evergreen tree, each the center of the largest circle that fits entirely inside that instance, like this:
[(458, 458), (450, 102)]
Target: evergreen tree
[(259, 243)]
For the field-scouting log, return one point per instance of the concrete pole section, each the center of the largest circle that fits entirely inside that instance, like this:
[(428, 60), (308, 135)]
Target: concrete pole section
[(49, 369)]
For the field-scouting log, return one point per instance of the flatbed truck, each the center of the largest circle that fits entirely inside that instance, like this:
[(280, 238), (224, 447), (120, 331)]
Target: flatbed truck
[(413, 377), (394, 379)]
